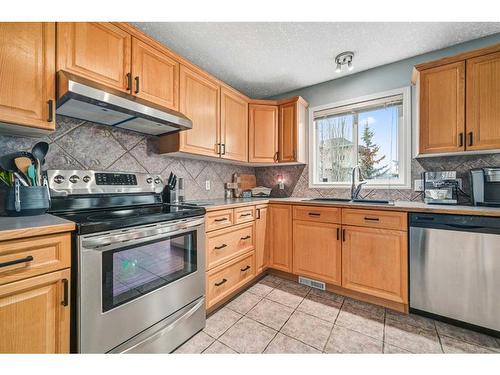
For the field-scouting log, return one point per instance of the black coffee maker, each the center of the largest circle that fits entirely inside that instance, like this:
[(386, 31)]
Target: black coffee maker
[(486, 186)]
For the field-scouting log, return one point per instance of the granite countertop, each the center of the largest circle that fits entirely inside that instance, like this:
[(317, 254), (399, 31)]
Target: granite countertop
[(28, 226), (218, 204)]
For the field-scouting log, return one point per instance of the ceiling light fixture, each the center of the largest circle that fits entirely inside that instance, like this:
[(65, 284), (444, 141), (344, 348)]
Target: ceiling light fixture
[(345, 58)]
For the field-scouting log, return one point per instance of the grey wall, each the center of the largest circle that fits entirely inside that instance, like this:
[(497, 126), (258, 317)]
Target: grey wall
[(368, 82)]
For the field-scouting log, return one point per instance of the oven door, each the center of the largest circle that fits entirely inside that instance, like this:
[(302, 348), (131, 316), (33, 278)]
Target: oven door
[(131, 279)]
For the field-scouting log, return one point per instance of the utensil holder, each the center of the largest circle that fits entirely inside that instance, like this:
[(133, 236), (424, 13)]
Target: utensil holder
[(27, 200)]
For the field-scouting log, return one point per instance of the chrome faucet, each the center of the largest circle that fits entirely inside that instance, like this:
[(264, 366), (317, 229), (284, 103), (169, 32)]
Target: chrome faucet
[(355, 190)]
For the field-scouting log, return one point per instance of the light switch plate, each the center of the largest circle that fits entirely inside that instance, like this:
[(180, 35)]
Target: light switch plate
[(207, 185)]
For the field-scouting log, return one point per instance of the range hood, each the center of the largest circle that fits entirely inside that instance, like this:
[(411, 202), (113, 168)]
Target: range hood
[(84, 99)]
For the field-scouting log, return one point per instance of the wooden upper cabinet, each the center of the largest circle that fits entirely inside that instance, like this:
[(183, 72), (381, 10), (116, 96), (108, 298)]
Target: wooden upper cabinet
[(375, 262), (287, 132), (199, 100), (234, 125), (27, 75), (317, 251), (33, 318), (280, 229), (99, 51), (442, 109), (155, 75), (483, 102), (263, 133)]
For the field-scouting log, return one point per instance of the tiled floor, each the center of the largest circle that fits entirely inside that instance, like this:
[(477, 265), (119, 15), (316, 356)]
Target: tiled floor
[(280, 316)]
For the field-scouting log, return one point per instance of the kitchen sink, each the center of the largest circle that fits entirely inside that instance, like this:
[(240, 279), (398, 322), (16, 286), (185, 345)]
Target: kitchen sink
[(374, 201), (330, 199)]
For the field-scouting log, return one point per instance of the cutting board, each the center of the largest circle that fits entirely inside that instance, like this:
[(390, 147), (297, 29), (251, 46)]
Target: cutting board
[(247, 181)]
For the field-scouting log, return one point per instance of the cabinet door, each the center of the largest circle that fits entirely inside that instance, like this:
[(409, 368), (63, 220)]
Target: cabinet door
[(317, 251), (199, 100), (287, 132), (261, 237), (280, 222), (27, 74), (33, 317), (156, 75), (263, 133), (442, 109), (234, 126), (483, 102), (375, 262), (99, 51)]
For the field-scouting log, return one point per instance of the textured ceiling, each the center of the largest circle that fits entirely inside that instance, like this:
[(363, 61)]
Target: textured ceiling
[(264, 59)]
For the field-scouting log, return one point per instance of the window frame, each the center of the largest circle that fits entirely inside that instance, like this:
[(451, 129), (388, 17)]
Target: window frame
[(404, 140)]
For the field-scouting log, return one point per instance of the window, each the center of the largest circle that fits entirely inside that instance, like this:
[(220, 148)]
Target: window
[(370, 132)]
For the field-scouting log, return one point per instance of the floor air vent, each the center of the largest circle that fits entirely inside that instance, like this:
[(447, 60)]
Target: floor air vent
[(312, 283)]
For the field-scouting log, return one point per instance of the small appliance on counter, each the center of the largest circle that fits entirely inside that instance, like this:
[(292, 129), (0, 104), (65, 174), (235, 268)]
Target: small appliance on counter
[(486, 186), (441, 187)]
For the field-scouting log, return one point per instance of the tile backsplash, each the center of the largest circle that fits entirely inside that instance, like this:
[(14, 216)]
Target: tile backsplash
[(83, 145)]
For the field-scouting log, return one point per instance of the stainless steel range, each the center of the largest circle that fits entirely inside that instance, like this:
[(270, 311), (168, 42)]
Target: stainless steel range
[(138, 264)]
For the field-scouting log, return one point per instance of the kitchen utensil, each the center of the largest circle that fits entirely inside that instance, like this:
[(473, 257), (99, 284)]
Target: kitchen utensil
[(247, 181), (21, 179), (33, 175), (6, 177), (23, 163), (39, 152), (170, 177), (174, 182)]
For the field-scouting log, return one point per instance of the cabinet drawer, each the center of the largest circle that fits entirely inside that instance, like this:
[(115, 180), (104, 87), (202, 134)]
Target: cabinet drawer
[(224, 244), (244, 214), (219, 219), (321, 214), (375, 218), (224, 280), (34, 256)]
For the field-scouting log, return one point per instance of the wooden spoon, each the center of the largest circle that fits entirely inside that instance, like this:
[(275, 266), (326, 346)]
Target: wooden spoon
[(22, 164)]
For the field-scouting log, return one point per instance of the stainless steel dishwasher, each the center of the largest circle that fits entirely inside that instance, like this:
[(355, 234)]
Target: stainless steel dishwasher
[(455, 268)]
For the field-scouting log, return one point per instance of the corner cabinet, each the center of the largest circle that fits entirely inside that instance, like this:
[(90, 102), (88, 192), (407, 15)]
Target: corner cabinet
[(99, 51), (280, 242), (292, 131), (27, 77), (459, 103), (263, 133)]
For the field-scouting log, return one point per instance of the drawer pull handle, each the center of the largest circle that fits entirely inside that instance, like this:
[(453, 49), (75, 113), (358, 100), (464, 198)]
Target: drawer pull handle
[(29, 258), (245, 238), (245, 269), (372, 218), (219, 220), (220, 247), (247, 214), (50, 116), (221, 282), (314, 214), (65, 293)]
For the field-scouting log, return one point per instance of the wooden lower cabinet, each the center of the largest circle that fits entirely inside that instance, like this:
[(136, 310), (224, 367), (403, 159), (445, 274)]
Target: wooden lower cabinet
[(280, 242), (317, 251), (261, 239), (375, 262), (34, 317), (224, 280)]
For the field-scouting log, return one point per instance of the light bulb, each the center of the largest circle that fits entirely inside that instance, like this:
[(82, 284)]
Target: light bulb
[(349, 66), (338, 69)]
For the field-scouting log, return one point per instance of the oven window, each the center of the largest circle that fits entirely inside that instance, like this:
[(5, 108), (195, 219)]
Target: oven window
[(131, 272)]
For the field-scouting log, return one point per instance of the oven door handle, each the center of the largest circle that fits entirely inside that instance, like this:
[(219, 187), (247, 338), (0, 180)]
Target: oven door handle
[(164, 330), (108, 242)]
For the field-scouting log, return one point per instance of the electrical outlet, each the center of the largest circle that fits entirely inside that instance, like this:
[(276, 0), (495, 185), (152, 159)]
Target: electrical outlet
[(207, 185), (418, 185)]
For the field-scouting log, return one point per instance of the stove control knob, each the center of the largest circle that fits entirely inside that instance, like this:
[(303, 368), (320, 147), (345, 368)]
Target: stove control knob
[(74, 179), (157, 180), (149, 180), (86, 179), (59, 179)]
